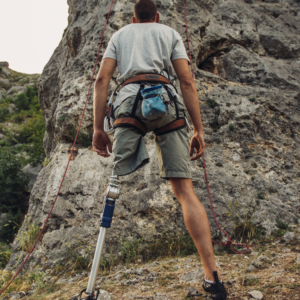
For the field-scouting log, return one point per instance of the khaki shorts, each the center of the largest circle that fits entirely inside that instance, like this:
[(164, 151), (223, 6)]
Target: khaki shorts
[(130, 150)]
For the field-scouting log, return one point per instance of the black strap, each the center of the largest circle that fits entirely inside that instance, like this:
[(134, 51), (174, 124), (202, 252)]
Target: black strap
[(137, 99), (173, 99)]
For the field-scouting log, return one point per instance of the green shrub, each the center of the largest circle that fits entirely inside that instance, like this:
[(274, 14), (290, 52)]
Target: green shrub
[(37, 277), (219, 141), (5, 86), (129, 250), (83, 139), (252, 99), (244, 228), (212, 103), (4, 114), (281, 224), (10, 226), (180, 244), (254, 165), (272, 190), (22, 102), (27, 237), (0, 69), (32, 133), (218, 164), (13, 183), (5, 252), (27, 100), (215, 124), (260, 195), (231, 127), (75, 261)]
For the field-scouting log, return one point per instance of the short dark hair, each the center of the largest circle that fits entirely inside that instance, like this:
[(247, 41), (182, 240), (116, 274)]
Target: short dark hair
[(145, 10)]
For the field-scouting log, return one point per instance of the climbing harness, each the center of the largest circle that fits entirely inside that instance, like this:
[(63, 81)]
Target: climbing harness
[(133, 121), (112, 192)]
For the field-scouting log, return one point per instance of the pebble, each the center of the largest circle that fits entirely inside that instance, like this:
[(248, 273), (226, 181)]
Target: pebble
[(192, 292), (288, 236), (256, 295)]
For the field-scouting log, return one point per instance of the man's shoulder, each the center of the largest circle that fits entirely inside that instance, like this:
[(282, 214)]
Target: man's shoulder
[(155, 26)]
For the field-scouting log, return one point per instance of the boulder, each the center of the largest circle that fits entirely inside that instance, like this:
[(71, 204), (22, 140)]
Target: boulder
[(4, 64)]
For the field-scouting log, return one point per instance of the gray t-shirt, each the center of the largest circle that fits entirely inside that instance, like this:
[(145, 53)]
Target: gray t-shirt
[(144, 48)]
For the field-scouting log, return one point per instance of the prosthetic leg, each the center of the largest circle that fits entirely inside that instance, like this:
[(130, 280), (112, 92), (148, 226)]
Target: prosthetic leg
[(112, 193)]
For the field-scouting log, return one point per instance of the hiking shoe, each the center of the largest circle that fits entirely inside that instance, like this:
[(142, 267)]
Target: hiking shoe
[(216, 288)]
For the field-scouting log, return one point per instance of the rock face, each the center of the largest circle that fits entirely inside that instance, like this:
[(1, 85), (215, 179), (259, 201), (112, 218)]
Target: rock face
[(4, 64), (246, 63)]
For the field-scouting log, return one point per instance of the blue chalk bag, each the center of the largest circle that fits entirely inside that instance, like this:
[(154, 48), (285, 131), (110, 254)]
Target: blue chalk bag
[(153, 105)]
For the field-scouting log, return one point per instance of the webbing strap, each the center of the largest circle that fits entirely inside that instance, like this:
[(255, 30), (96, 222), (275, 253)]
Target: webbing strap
[(131, 122), (137, 99)]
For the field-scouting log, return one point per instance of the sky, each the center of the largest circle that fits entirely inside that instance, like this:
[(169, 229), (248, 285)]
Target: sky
[(30, 32)]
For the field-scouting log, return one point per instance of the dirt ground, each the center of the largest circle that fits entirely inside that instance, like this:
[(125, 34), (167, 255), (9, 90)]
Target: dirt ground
[(272, 269)]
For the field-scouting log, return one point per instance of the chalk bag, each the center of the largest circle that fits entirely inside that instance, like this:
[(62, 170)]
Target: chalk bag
[(153, 105)]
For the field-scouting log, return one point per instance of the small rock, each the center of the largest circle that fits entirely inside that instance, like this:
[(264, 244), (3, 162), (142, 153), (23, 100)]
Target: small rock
[(47, 278), (193, 292), (104, 295), (250, 277), (257, 264), (236, 157), (256, 295), (288, 236), (254, 253), (62, 281), (263, 258), (193, 276), (154, 264), (250, 269)]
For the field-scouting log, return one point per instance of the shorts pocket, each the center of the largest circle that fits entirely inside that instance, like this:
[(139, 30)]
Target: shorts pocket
[(124, 109)]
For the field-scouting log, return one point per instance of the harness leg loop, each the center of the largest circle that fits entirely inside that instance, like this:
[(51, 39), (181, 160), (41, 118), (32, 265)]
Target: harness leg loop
[(111, 195)]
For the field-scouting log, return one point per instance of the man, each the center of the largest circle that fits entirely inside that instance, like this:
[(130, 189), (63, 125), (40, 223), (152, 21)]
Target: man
[(146, 47)]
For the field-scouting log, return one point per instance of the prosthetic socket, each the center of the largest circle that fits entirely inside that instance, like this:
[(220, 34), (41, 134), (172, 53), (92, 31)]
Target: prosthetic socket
[(112, 193)]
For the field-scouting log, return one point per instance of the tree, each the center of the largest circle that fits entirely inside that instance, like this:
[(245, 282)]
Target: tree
[(13, 183)]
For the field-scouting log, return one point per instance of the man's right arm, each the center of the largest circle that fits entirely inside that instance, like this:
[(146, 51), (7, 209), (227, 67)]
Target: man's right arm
[(190, 97)]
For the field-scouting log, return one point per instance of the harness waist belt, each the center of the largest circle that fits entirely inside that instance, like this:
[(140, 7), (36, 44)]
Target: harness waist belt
[(146, 78), (132, 122)]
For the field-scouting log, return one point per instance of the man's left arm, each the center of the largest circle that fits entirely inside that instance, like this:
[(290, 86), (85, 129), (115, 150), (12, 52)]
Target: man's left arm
[(101, 140)]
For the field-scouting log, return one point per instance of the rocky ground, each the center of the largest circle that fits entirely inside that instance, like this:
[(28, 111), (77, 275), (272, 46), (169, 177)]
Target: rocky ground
[(270, 271)]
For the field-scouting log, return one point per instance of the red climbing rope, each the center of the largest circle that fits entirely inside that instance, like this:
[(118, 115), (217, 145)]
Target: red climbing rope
[(229, 243), (70, 157)]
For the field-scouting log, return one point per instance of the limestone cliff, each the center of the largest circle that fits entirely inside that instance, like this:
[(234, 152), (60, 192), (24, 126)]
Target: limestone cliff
[(246, 58)]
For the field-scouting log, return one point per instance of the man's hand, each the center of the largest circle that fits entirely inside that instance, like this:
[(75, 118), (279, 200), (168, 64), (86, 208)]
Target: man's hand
[(101, 142), (198, 144)]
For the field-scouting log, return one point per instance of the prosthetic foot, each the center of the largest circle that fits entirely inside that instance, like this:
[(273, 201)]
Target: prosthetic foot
[(112, 193)]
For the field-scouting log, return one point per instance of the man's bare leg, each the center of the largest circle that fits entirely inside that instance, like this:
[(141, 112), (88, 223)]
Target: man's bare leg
[(196, 221)]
